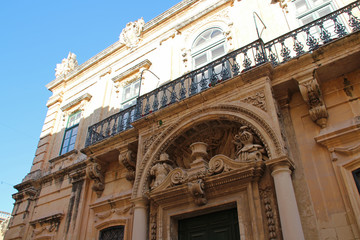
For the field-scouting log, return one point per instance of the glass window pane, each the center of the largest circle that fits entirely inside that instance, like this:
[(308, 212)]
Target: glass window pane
[(199, 60), (324, 11), (217, 52), (301, 6), (307, 19), (215, 33)]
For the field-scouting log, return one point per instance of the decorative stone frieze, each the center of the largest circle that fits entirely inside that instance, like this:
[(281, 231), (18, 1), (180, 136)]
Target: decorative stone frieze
[(67, 64), (130, 35), (311, 93), (48, 224), (96, 172)]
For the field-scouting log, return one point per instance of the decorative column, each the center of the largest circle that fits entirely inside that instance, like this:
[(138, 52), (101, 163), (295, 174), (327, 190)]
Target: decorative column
[(140, 222), (288, 210)]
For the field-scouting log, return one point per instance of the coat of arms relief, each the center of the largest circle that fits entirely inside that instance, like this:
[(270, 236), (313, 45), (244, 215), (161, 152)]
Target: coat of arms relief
[(130, 35)]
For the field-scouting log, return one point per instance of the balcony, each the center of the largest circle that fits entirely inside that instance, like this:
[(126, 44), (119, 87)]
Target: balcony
[(278, 51)]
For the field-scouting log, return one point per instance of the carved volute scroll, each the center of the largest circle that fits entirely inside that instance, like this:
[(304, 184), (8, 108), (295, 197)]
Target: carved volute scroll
[(96, 171), (311, 93), (128, 159), (130, 35)]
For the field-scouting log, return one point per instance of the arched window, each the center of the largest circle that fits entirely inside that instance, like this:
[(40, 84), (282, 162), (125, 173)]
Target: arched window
[(208, 46), (112, 233)]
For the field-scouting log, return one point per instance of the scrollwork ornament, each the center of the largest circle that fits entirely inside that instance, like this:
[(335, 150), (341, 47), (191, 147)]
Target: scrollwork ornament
[(96, 172)]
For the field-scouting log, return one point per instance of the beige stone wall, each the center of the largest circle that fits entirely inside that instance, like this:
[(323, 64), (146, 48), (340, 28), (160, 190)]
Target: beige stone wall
[(77, 194)]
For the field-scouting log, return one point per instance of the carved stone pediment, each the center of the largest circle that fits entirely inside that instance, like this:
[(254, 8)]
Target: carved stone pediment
[(221, 169)]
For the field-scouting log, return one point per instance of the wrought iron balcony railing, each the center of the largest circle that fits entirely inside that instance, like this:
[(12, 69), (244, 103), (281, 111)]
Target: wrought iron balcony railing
[(280, 50)]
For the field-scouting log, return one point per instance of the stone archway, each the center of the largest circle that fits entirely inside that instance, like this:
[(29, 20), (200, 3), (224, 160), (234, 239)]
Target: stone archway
[(216, 127)]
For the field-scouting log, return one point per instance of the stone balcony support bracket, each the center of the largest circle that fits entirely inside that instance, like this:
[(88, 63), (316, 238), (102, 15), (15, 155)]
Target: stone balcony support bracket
[(96, 171), (311, 93)]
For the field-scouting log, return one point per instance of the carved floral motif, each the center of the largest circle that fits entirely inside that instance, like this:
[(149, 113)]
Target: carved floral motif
[(265, 195), (257, 100)]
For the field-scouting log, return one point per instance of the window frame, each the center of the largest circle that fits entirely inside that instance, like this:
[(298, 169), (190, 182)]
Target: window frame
[(313, 10), (213, 43), (356, 175), (122, 227), (125, 103), (70, 129)]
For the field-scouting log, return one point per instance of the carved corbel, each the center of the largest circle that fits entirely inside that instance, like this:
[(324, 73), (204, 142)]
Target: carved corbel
[(96, 171), (197, 190), (311, 93), (128, 160)]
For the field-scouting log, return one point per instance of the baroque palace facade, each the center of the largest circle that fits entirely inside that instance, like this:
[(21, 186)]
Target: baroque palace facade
[(205, 124)]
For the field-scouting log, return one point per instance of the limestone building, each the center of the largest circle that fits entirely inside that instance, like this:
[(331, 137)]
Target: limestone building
[(204, 124)]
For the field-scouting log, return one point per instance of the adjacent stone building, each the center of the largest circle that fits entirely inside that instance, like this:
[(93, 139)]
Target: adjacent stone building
[(218, 119)]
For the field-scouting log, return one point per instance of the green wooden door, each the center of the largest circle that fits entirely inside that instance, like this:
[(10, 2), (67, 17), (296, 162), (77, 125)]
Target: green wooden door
[(214, 226)]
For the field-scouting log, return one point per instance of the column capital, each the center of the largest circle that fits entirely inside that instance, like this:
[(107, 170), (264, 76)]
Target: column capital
[(140, 202), (283, 162)]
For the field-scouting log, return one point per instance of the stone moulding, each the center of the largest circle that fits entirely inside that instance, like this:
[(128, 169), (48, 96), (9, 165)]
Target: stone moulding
[(50, 223)]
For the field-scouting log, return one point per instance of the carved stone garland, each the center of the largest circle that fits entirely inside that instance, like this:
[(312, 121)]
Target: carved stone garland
[(265, 195)]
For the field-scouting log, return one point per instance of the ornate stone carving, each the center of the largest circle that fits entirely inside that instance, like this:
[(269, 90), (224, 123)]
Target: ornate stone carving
[(130, 35), (169, 134), (257, 100), (96, 172), (246, 149), (311, 93), (265, 195), (161, 169), (67, 64), (147, 142), (49, 224), (117, 211), (153, 220), (197, 190), (128, 159)]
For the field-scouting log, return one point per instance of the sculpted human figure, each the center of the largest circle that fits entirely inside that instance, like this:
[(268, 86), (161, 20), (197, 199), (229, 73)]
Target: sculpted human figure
[(161, 169), (246, 149)]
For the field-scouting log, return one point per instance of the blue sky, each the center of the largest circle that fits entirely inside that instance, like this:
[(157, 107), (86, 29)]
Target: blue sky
[(35, 36)]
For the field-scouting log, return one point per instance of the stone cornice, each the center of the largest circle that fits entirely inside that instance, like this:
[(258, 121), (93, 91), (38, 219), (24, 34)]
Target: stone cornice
[(146, 64), (74, 102)]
